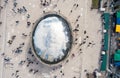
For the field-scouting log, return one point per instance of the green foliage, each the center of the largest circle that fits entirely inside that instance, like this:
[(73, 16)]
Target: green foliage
[(95, 4)]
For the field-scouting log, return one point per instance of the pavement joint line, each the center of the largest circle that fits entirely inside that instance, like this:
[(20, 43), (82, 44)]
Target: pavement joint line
[(82, 59), (4, 40)]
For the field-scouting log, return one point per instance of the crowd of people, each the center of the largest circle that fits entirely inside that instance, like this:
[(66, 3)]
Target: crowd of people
[(27, 62)]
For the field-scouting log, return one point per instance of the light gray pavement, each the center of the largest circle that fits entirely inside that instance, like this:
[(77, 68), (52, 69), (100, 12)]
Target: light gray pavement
[(3, 37), (87, 59)]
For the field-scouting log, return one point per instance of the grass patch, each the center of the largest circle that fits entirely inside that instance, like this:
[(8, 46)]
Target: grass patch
[(95, 4)]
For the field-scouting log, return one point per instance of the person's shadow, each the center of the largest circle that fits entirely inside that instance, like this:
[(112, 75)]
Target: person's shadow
[(35, 67)]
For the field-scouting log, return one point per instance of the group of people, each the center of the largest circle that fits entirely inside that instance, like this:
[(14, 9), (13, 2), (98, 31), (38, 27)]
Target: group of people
[(45, 3), (19, 49)]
